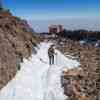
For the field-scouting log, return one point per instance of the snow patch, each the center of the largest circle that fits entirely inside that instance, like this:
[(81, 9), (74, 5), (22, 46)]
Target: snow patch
[(37, 80)]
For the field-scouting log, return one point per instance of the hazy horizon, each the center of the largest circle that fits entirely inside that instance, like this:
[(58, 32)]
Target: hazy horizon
[(73, 14), (70, 24)]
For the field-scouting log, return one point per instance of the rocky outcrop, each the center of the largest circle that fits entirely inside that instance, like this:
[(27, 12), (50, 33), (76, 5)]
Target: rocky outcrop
[(16, 41), (89, 78), (73, 86)]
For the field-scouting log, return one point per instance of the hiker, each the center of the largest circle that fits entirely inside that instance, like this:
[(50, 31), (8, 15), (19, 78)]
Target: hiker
[(51, 53)]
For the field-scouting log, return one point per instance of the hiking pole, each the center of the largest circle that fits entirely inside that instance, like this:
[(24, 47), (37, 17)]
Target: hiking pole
[(56, 59)]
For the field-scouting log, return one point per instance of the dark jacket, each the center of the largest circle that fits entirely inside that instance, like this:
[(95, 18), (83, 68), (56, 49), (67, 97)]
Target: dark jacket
[(51, 51)]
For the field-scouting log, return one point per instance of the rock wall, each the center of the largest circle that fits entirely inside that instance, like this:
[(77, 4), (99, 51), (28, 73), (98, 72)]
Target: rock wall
[(16, 41)]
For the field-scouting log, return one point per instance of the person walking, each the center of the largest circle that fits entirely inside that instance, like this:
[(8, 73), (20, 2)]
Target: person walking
[(51, 53)]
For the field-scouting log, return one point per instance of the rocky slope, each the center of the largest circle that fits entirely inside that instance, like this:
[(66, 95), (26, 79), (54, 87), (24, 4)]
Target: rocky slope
[(82, 83), (16, 41)]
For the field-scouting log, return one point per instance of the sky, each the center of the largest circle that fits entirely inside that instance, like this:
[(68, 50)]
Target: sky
[(66, 12)]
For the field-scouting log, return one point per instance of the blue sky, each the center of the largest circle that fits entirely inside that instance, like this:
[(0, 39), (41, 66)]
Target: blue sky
[(54, 9), (38, 9)]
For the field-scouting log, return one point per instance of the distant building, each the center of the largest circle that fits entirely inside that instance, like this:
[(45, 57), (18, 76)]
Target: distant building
[(60, 28), (55, 28)]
